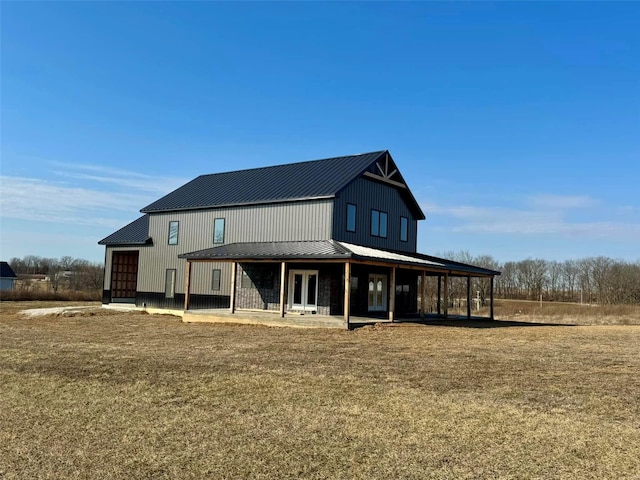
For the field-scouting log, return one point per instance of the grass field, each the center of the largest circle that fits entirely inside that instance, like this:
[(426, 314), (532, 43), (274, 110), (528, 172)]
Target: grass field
[(106, 394)]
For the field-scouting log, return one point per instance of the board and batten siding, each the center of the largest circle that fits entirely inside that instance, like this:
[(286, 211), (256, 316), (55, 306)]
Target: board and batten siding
[(294, 221), (366, 195)]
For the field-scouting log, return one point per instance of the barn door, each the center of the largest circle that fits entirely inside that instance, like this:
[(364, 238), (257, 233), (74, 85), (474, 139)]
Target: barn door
[(124, 276)]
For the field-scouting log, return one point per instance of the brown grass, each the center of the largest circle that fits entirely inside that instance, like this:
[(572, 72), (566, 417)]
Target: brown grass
[(118, 395), (568, 313), (19, 295)]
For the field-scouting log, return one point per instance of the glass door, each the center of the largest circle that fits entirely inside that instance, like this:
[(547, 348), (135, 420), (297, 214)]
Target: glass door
[(377, 293), (303, 290)]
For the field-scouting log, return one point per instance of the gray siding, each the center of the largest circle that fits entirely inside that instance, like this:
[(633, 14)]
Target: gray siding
[(7, 283), (366, 195), (309, 220)]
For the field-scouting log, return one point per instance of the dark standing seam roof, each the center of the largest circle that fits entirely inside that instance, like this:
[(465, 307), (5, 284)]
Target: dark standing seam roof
[(312, 249), (279, 183), (328, 250), (136, 233), (6, 271)]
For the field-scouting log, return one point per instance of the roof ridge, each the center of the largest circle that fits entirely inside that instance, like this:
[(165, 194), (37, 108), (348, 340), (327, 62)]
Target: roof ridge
[(267, 167)]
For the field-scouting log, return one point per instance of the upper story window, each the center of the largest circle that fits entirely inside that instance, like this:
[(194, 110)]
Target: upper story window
[(404, 229), (351, 217), (378, 223), (218, 230), (173, 232)]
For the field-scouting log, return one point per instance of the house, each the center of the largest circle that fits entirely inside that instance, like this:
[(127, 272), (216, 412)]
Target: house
[(7, 277), (332, 237)]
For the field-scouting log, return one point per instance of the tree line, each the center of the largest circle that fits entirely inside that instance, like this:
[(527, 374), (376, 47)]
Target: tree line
[(600, 280), (63, 273)]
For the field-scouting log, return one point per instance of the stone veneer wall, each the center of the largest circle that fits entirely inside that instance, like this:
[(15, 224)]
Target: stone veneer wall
[(263, 298)]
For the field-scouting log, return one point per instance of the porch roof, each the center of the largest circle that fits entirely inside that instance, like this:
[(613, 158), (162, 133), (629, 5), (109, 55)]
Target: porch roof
[(332, 251)]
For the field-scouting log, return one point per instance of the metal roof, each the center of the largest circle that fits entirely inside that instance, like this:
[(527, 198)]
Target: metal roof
[(330, 250), (314, 179), (136, 233), (6, 271), (313, 249)]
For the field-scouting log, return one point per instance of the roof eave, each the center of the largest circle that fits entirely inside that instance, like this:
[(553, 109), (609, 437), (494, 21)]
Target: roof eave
[(148, 241), (241, 204)]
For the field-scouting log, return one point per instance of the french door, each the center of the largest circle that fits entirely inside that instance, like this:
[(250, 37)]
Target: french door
[(303, 290), (377, 293)]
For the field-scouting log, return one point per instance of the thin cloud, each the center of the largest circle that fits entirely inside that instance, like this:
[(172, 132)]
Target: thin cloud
[(531, 221), (562, 202), (45, 201), (125, 179)]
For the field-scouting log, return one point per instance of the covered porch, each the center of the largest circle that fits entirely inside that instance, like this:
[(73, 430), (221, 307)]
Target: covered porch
[(330, 284)]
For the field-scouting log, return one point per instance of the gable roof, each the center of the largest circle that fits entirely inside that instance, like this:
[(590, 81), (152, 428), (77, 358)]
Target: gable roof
[(316, 179), (136, 233), (6, 271)]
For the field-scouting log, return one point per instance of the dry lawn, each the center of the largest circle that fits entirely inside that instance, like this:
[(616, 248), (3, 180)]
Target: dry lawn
[(106, 394)]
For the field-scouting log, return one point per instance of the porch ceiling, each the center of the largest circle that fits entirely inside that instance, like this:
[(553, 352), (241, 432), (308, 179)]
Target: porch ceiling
[(332, 251)]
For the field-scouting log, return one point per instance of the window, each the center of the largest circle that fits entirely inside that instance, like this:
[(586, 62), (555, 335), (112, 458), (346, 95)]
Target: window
[(246, 280), (404, 229), (351, 217), (170, 283), (173, 232), (218, 230), (215, 279), (256, 276), (378, 224)]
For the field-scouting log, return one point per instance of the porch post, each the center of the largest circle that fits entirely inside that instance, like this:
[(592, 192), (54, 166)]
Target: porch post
[(232, 302), (283, 277), (439, 292), (446, 295), (347, 292), (392, 293), (491, 300), (468, 297), (186, 287), (423, 293)]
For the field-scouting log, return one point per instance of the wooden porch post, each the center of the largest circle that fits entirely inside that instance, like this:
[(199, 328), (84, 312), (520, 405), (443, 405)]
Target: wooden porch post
[(186, 287), (232, 303), (468, 297), (392, 293), (439, 293), (283, 284), (423, 293), (347, 292), (446, 295), (491, 300)]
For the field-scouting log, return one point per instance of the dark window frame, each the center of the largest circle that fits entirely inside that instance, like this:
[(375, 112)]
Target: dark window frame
[(215, 282), (170, 288), (355, 216), (177, 224), (376, 229), (245, 280), (215, 222), (404, 229)]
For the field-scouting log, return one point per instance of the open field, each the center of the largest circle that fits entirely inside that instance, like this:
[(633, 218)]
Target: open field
[(107, 394), (561, 312)]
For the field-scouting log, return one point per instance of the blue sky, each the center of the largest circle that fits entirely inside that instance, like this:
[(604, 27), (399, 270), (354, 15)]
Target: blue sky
[(517, 125)]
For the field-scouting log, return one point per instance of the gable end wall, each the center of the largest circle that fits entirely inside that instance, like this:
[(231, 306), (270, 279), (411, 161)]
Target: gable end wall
[(366, 195)]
